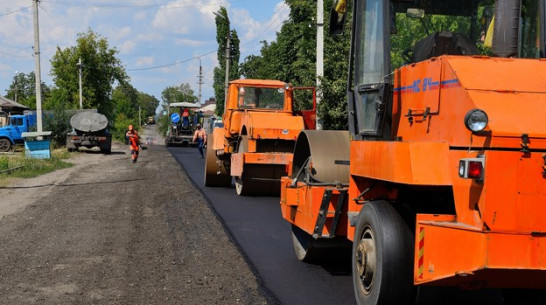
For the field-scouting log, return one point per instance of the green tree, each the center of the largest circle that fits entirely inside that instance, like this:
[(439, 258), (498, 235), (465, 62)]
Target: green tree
[(223, 33), (23, 90), (125, 99), (177, 94), (292, 57), (101, 69), (148, 103)]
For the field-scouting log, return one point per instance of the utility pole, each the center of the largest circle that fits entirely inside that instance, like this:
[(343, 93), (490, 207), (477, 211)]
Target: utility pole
[(16, 85), (200, 79), (320, 55), (80, 77), (37, 72)]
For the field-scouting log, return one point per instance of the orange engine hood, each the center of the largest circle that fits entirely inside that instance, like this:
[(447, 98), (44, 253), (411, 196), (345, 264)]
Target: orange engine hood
[(513, 95), (274, 125)]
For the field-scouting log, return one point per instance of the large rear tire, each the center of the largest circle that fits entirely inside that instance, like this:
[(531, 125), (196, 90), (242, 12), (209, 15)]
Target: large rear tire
[(215, 173), (5, 145), (382, 259)]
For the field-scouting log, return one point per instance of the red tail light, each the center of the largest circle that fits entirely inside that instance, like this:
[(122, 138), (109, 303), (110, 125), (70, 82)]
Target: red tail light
[(475, 169), (472, 168)]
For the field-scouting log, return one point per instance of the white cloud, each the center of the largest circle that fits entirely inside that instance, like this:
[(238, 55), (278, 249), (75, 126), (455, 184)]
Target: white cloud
[(256, 30), (127, 47), (179, 17), (190, 42), (144, 61), (140, 16), (121, 33)]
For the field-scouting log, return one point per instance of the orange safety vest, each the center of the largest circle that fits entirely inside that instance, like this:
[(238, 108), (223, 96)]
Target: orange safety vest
[(133, 138)]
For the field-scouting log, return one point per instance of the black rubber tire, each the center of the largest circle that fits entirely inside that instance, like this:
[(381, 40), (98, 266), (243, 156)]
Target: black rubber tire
[(243, 184), (382, 257), (5, 145)]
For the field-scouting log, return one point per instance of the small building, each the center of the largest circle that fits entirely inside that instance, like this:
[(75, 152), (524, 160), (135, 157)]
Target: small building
[(209, 107), (8, 107)]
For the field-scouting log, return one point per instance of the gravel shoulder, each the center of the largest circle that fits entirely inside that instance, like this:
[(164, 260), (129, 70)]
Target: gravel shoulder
[(110, 232)]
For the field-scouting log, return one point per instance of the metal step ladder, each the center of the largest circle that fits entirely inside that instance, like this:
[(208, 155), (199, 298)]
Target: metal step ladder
[(324, 213)]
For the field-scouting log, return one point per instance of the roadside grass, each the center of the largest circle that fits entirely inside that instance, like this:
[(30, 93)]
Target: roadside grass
[(17, 166)]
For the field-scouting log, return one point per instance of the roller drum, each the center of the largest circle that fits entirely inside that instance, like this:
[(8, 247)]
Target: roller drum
[(323, 148)]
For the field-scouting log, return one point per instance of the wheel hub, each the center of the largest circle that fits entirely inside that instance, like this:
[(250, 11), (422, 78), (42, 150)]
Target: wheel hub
[(366, 260)]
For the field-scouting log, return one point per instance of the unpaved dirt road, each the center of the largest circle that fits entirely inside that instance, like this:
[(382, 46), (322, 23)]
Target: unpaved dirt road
[(110, 232)]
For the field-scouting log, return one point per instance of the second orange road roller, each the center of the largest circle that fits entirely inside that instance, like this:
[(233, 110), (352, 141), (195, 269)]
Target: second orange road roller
[(261, 123)]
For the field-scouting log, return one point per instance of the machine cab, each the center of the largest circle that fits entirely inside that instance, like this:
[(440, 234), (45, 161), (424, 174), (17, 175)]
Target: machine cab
[(414, 31)]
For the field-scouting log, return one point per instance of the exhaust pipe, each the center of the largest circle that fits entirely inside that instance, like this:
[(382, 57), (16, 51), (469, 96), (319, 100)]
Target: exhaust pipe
[(506, 28)]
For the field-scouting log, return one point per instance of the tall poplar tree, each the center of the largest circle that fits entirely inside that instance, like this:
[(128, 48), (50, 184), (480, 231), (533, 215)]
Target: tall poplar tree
[(223, 33)]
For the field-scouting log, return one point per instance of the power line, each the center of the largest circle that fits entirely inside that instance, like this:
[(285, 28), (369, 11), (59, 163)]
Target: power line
[(13, 55), (267, 32), (12, 12), (171, 64)]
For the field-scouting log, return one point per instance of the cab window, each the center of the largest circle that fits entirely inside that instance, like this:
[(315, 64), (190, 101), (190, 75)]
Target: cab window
[(260, 98)]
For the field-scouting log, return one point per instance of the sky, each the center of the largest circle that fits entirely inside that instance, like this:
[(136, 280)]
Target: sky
[(160, 42)]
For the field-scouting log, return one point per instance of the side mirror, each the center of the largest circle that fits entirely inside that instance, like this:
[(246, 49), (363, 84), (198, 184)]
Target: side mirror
[(338, 16)]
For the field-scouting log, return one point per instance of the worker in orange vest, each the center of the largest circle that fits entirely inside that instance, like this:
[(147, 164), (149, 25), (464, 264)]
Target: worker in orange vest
[(134, 141), (201, 137), (186, 117)]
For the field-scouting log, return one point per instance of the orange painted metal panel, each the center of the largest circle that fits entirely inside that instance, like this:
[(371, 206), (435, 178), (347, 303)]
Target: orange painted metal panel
[(505, 74), (514, 192), (300, 205), (515, 105), (218, 139), (267, 158), (239, 160), (273, 125), (237, 163), (401, 162), (513, 119), (445, 249)]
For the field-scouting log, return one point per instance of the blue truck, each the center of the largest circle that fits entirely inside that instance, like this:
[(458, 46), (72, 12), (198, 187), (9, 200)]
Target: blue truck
[(11, 133)]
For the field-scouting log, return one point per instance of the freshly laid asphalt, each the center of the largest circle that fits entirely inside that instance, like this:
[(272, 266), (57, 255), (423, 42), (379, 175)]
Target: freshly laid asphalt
[(258, 228), (256, 225)]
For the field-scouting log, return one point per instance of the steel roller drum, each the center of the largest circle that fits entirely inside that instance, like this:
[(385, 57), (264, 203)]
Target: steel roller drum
[(88, 121), (324, 147)]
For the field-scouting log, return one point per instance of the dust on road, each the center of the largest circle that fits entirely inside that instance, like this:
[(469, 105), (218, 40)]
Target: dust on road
[(110, 232)]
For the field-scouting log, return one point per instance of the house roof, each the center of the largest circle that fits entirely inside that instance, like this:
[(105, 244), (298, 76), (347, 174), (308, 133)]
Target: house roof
[(7, 103)]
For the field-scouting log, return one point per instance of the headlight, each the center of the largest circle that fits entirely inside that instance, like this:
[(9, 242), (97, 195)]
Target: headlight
[(476, 120)]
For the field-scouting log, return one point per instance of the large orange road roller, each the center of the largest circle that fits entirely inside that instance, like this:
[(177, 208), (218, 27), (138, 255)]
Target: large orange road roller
[(261, 123), (441, 178)]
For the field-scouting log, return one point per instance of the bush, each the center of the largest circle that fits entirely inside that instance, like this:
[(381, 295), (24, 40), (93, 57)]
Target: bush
[(163, 124), (59, 125), (120, 127)]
